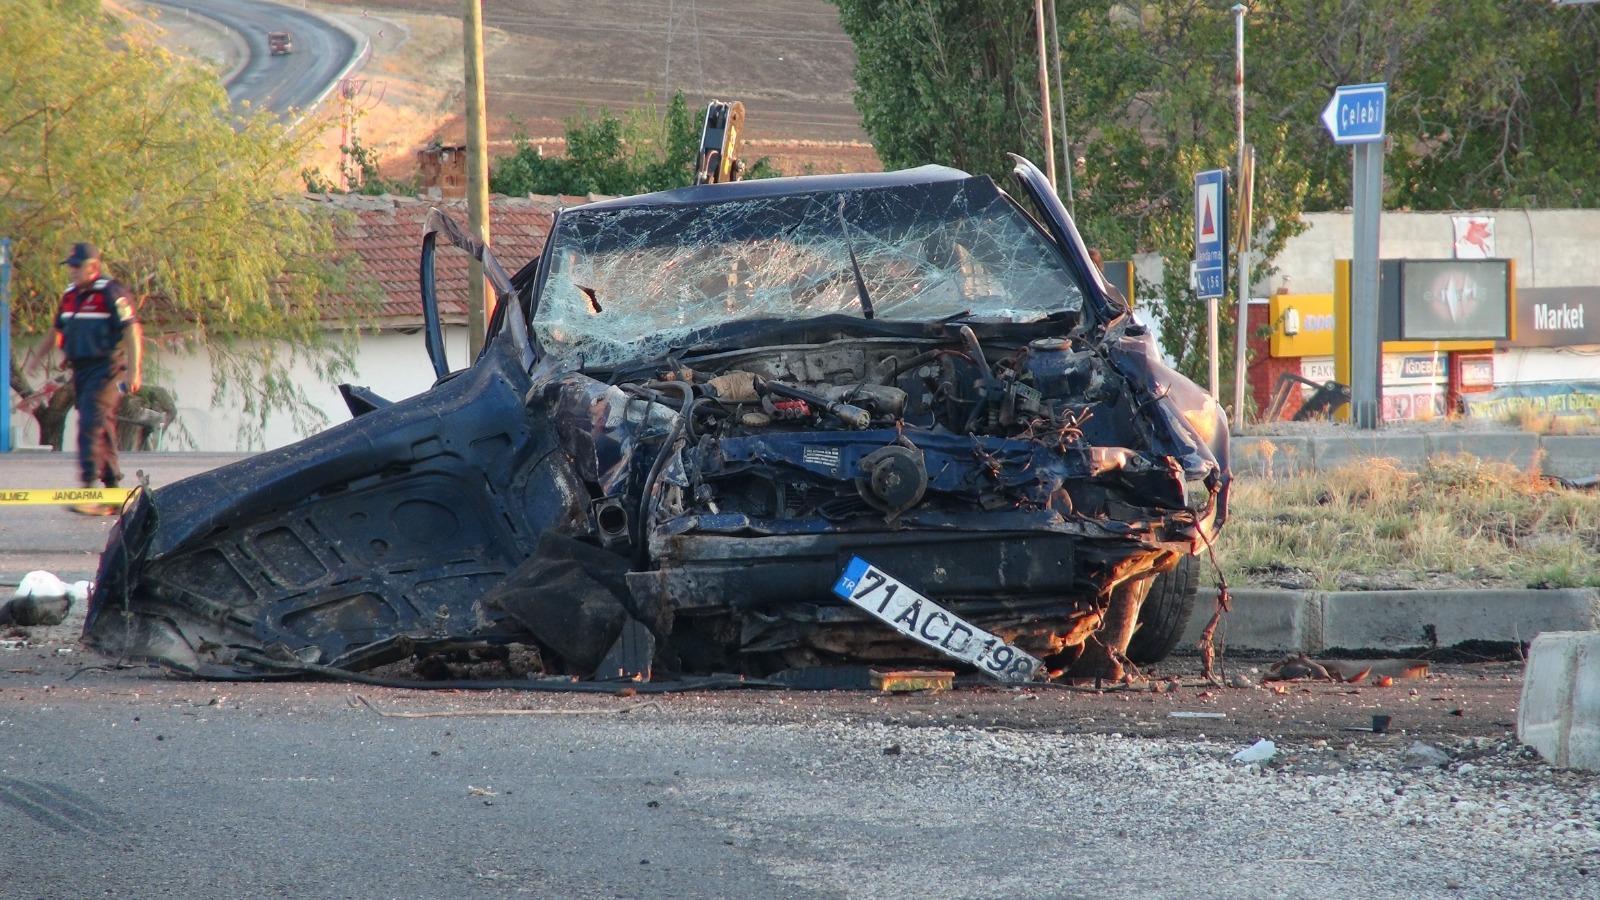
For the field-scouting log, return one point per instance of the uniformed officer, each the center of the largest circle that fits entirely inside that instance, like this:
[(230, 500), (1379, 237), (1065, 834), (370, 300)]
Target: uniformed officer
[(98, 332)]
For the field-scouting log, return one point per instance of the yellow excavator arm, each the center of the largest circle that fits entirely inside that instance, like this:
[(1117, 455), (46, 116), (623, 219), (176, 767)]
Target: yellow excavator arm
[(718, 160)]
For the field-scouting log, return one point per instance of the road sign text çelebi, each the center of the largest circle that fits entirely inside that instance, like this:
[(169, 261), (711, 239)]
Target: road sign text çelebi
[(1357, 113)]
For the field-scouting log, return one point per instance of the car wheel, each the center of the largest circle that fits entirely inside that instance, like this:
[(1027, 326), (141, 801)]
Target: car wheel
[(1165, 612)]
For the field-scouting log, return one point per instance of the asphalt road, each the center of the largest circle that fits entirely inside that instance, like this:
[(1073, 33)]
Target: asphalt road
[(285, 83), (130, 784)]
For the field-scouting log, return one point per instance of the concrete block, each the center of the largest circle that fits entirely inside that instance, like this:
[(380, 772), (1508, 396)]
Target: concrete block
[(1559, 715), (1331, 450), (1275, 456), (1519, 448), (1274, 621), (1407, 620), (1571, 456)]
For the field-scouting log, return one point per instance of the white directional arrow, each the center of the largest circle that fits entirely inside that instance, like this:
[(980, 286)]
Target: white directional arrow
[(1330, 115)]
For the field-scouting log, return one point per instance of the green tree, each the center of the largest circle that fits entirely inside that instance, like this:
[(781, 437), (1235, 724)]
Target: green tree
[(106, 137), (646, 150), (1147, 99), (1492, 103), (947, 81), (358, 164)]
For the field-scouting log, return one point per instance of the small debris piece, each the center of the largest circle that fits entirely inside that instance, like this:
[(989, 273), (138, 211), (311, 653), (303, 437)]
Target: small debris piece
[(42, 599), (1240, 680), (481, 792), (1421, 754), (1359, 676), (892, 750), (1188, 714), (1296, 667), (1383, 681), (1259, 752), (654, 804), (907, 680)]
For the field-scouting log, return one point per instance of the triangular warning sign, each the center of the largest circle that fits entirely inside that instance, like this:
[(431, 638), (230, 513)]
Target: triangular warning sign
[(1208, 228)]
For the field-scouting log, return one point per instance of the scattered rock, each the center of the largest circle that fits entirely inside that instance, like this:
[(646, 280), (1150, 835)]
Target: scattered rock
[(1240, 680), (1422, 754), (1259, 752), (892, 750)]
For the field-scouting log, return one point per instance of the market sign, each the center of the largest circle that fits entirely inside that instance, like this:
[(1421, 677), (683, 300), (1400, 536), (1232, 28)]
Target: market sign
[(1557, 317)]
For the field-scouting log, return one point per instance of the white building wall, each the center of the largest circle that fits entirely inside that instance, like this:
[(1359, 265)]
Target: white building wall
[(1552, 247), (1521, 365), (393, 364)]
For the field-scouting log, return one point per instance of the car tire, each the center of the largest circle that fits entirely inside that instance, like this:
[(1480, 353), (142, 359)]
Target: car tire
[(1165, 613)]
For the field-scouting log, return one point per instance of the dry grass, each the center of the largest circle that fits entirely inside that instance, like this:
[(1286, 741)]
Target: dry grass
[(1460, 522)]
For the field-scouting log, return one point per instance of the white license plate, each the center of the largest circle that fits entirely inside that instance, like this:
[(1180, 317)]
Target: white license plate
[(930, 624)]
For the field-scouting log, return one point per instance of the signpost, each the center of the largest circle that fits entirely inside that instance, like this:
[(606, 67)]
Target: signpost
[(1356, 116), (5, 345), (1211, 254)]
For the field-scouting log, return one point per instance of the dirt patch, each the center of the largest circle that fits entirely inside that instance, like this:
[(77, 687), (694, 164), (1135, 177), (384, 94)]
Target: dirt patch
[(548, 60), (196, 37)]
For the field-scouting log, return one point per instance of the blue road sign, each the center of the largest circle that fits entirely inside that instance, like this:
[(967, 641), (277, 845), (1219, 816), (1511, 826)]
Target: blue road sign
[(1211, 233), (1355, 115)]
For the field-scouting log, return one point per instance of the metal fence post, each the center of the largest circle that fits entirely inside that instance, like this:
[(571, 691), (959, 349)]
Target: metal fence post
[(5, 345)]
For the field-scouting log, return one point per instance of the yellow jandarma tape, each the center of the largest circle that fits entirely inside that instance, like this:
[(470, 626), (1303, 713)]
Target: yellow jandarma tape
[(62, 496)]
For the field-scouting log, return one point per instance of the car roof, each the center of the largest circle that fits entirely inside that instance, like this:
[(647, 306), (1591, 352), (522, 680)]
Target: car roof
[(764, 188)]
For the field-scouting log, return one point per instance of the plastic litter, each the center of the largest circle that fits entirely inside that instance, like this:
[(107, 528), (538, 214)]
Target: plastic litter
[(1259, 752), (42, 599)]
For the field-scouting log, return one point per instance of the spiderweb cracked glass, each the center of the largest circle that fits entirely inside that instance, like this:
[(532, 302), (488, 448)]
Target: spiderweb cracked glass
[(633, 283)]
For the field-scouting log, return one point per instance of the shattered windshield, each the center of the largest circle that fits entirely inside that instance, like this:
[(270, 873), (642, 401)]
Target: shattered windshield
[(631, 283)]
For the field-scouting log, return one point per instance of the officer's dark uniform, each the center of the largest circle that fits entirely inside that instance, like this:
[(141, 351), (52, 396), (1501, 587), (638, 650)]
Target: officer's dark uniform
[(91, 322)]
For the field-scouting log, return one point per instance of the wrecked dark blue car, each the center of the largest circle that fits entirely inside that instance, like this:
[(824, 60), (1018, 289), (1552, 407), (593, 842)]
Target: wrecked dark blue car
[(691, 413)]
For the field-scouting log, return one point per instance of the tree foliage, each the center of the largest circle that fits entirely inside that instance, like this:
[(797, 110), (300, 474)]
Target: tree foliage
[(1493, 103), (358, 168), (105, 137), (646, 150)]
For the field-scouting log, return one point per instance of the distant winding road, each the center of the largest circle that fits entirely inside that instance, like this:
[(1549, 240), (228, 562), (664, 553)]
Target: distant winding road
[(296, 81)]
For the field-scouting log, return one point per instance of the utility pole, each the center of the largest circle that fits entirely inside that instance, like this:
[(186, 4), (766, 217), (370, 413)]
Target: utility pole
[(1044, 96), (1061, 104), (1241, 349), (478, 297)]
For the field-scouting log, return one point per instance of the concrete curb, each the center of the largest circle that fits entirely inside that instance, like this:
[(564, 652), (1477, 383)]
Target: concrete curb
[(1281, 456), (1282, 621), (1559, 714)]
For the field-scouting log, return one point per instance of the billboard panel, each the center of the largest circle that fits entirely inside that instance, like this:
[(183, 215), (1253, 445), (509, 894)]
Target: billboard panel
[(1455, 299)]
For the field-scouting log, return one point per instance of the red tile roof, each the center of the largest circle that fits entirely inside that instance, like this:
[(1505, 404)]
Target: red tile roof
[(384, 235)]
